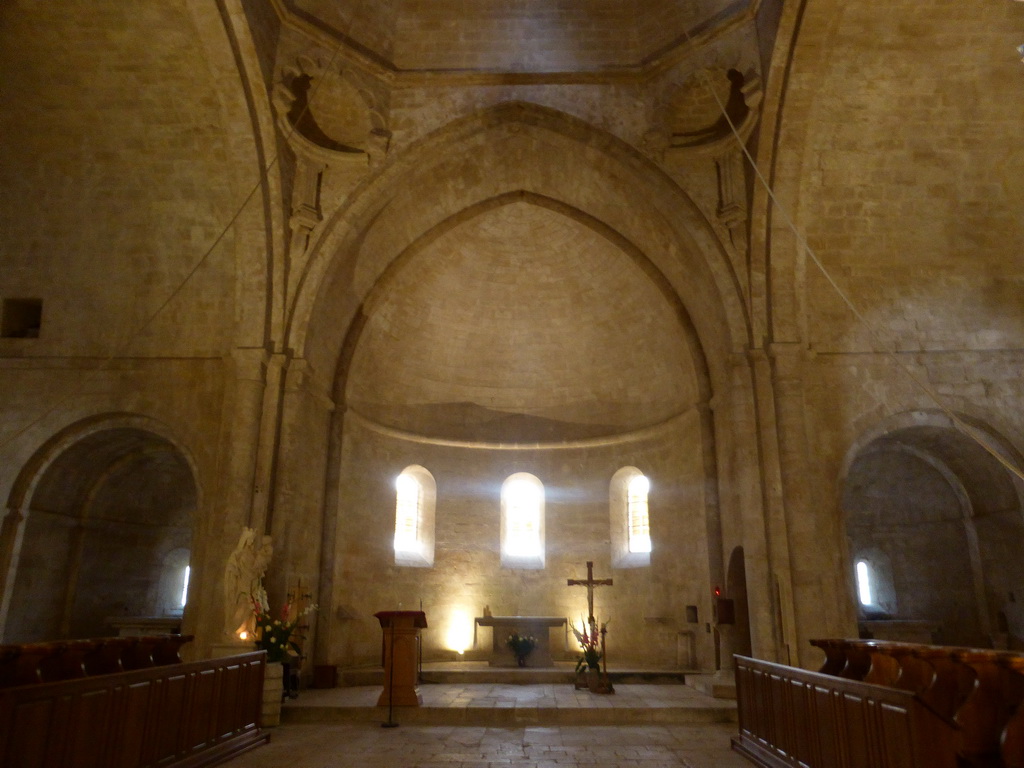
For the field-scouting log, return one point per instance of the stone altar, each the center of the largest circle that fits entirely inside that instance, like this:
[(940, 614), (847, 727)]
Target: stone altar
[(537, 626)]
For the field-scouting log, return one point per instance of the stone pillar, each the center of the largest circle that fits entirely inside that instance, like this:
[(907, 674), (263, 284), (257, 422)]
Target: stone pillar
[(297, 515), (816, 546), (774, 521), (228, 508), (712, 510)]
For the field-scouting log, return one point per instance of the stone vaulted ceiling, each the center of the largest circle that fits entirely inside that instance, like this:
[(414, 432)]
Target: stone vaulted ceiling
[(522, 324), (517, 35)]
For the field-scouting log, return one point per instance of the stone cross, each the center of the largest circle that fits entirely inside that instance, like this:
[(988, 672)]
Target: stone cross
[(590, 583)]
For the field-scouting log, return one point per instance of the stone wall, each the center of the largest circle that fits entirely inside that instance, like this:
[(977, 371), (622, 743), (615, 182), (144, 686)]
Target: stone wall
[(645, 607)]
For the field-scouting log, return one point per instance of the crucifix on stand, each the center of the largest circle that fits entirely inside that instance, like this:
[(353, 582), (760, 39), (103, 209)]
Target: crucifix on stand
[(591, 583)]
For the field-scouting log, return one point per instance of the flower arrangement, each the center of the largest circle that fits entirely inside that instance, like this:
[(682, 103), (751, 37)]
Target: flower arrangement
[(521, 645), (279, 637), (590, 642)]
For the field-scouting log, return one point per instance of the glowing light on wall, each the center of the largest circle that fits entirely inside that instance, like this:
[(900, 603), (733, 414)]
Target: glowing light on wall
[(459, 635)]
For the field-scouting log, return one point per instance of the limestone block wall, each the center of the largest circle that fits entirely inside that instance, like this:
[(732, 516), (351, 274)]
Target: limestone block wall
[(645, 607), (911, 176), (898, 161), (177, 404), (114, 182)]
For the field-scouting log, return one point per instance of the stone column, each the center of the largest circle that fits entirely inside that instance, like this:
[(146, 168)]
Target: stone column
[(297, 516), (815, 544), (227, 508), (775, 520)]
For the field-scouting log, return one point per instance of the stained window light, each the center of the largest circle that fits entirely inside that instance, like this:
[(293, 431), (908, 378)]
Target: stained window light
[(637, 518), (522, 533), (408, 510), (863, 582)]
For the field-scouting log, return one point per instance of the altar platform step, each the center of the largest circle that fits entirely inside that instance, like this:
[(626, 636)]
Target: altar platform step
[(516, 705), (479, 673)]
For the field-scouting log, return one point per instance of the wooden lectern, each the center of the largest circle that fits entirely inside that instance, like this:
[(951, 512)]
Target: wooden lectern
[(401, 629)]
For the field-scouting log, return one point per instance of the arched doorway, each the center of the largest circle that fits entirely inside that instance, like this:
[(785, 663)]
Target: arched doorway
[(933, 522), (107, 530)]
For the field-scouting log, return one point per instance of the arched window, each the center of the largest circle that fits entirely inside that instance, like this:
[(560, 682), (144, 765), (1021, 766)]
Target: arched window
[(415, 499), (864, 582), (522, 522), (184, 585), (637, 520), (630, 520), (173, 587), (874, 585)]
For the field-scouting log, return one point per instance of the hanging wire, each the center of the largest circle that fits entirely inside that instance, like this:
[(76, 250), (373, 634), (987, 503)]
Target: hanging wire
[(886, 349), (967, 429), (90, 374)]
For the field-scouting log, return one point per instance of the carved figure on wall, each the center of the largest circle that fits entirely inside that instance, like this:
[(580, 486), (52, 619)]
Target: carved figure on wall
[(242, 576)]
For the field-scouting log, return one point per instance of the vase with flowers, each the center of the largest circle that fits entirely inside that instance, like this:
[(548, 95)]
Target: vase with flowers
[(521, 646), (588, 666), (281, 638)]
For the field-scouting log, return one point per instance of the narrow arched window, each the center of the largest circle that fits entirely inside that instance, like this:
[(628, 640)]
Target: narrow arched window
[(638, 522), (864, 582), (522, 521), (415, 497), (173, 587), (184, 585), (629, 515), (408, 512)]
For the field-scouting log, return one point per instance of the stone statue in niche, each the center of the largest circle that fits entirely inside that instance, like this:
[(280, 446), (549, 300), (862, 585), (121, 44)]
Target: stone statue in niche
[(242, 576)]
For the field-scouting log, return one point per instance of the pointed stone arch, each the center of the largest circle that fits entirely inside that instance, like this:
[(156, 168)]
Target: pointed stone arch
[(513, 154), (484, 157)]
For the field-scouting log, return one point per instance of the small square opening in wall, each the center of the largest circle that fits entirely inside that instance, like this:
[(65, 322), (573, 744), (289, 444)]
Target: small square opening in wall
[(21, 318)]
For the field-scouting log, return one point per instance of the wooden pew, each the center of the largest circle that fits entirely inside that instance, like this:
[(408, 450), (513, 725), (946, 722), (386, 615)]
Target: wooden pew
[(187, 715), (979, 691), (1012, 747), (31, 663), (794, 717)]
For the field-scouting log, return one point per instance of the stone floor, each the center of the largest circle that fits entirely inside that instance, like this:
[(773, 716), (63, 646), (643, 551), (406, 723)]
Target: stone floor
[(368, 745), (495, 725), (502, 704)]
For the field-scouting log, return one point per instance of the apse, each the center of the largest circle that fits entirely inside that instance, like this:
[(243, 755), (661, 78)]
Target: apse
[(516, 367)]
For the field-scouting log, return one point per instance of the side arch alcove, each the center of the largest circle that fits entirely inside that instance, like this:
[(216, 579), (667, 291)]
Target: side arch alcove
[(936, 519), (99, 528)]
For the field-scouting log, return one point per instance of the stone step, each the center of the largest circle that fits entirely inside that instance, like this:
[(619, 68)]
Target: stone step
[(482, 674), (510, 717), (515, 705)]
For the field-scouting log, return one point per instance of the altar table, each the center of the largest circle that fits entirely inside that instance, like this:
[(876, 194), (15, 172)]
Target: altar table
[(536, 626)]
